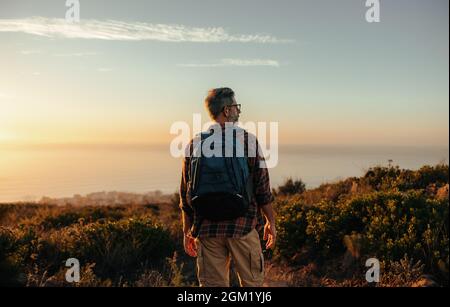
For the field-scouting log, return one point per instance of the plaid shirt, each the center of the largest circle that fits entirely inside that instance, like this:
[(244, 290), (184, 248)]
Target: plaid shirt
[(241, 225)]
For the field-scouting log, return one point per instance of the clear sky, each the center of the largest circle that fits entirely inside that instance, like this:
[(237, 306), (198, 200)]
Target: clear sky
[(130, 69)]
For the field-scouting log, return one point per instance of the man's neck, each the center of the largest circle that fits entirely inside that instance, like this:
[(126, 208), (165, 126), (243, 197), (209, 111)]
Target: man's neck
[(223, 123)]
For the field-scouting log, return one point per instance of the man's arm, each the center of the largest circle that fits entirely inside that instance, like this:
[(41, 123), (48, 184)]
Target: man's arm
[(186, 210), (187, 223), (264, 197), (190, 246), (269, 213)]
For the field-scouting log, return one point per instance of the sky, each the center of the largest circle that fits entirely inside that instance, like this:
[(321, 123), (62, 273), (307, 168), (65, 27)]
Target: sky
[(130, 69)]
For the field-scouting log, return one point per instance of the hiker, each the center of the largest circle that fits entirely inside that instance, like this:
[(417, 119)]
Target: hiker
[(222, 196)]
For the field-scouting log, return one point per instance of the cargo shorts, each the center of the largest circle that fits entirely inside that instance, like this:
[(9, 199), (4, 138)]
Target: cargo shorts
[(214, 256)]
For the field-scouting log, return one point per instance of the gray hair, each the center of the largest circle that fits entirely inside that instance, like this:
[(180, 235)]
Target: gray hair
[(217, 99)]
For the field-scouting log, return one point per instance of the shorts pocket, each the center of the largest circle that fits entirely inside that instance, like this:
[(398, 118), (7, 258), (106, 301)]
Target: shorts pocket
[(247, 235), (257, 265), (200, 265)]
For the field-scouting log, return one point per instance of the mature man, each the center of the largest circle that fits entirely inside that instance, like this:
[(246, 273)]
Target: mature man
[(219, 217)]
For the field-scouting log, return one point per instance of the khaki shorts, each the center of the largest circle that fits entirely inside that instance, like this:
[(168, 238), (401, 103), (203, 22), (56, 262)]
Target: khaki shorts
[(214, 255)]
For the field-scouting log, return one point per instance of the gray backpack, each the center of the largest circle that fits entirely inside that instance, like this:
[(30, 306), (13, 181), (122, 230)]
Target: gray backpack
[(220, 186)]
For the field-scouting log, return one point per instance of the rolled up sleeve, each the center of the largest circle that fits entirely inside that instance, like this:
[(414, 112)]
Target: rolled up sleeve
[(184, 204), (261, 180)]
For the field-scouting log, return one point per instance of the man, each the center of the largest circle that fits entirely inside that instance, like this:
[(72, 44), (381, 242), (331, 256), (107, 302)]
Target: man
[(216, 242)]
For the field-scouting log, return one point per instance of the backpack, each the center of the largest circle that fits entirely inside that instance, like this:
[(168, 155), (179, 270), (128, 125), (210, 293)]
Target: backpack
[(220, 186)]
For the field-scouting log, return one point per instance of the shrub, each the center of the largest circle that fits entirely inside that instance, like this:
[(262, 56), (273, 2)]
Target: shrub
[(120, 247), (291, 226), (116, 248), (291, 187), (390, 224), (9, 269), (87, 215), (394, 178), (61, 220)]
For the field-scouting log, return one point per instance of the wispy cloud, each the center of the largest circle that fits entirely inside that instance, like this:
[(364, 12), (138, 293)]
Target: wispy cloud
[(75, 54), (128, 31), (71, 54), (234, 62)]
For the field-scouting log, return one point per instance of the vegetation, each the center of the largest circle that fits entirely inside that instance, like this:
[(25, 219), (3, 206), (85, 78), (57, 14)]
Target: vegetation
[(325, 235), (290, 187), (397, 214), (120, 245)]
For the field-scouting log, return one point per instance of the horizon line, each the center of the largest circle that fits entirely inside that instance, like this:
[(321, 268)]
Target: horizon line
[(93, 145)]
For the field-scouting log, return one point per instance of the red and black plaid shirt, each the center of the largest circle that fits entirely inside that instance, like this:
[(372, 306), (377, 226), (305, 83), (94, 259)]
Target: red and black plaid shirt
[(241, 225)]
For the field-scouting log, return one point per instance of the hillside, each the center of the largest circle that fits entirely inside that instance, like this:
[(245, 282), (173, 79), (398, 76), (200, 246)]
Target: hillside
[(325, 235)]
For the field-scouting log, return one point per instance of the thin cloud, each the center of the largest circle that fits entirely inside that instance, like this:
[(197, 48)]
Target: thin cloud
[(235, 62), (75, 54), (128, 31)]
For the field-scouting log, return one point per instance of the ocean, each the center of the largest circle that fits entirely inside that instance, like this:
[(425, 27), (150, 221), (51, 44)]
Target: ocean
[(28, 174)]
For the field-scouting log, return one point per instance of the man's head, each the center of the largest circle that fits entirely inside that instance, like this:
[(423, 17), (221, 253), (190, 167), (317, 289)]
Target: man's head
[(222, 106)]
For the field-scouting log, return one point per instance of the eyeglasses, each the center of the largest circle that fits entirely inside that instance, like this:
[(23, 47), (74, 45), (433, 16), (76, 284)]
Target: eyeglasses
[(238, 106)]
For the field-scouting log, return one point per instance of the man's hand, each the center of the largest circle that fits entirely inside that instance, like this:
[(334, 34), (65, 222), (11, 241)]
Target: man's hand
[(270, 234), (190, 246)]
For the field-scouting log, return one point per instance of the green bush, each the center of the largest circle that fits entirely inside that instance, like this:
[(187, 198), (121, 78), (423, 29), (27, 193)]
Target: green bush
[(85, 214), (394, 178), (291, 187), (118, 249), (62, 220), (390, 224), (9, 270), (291, 226)]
